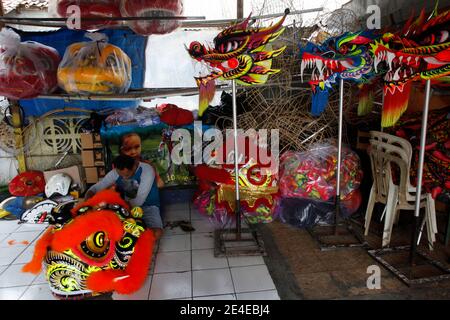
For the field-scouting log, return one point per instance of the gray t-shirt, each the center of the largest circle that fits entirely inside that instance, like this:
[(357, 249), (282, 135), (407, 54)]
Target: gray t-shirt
[(135, 193)]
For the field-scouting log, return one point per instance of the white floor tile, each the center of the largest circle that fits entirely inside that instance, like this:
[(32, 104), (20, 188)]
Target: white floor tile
[(27, 227), (8, 254), (2, 268), (151, 270), (20, 238), (259, 295), (40, 279), (176, 207), (38, 292), (3, 236), (171, 286), (195, 215), (173, 262), (177, 215), (175, 243), (245, 261), (202, 241), (13, 276), (26, 255), (218, 297), (202, 226), (212, 282), (8, 226), (204, 259), (141, 294), (253, 278), (13, 293), (168, 232)]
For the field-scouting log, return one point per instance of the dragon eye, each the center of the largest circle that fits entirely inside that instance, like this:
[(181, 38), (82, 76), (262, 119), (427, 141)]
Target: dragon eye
[(96, 246)]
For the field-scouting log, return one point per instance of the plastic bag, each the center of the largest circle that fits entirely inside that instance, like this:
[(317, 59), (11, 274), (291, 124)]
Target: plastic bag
[(261, 214), (206, 205), (312, 174), (95, 67), (27, 69), (152, 8), (91, 9), (306, 213)]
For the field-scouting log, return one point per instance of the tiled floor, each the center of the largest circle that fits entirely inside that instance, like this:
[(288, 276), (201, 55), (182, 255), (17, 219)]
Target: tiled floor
[(184, 266)]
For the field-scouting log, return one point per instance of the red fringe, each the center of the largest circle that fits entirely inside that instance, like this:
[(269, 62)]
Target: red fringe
[(40, 251), (104, 196), (395, 104), (82, 226)]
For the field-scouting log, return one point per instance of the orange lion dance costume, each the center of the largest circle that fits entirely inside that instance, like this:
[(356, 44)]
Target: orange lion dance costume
[(97, 247)]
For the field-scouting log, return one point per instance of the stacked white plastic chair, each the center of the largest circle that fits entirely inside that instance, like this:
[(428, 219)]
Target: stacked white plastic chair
[(387, 152)]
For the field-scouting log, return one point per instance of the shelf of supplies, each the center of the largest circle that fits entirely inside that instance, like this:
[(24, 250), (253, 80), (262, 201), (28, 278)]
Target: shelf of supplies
[(142, 94), (186, 22)]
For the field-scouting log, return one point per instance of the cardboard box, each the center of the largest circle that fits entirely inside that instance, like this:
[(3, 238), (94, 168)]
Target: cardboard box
[(75, 172), (91, 175), (87, 158), (99, 158), (91, 141), (92, 158), (101, 171)]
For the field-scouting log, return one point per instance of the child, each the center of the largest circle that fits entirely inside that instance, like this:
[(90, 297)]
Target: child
[(131, 145), (135, 180)]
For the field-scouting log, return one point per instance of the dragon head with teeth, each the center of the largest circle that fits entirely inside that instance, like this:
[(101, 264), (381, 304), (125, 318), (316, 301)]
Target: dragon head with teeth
[(344, 57), (420, 52), (240, 53)]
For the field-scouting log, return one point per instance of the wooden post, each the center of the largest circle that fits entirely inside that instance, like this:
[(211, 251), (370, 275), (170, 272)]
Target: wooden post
[(16, 119), (240, 9), (2, 13), (18, 133)]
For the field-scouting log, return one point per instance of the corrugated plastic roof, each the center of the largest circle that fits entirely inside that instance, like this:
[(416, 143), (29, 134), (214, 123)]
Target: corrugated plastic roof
[(10, 5)]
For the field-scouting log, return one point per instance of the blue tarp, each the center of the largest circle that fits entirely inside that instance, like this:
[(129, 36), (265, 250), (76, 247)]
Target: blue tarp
[(132, 44)]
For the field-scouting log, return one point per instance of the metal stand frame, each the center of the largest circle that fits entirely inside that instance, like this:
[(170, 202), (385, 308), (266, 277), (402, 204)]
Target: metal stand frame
[(237, 242), (408, 273), (230, 243), (318, 236), (411, 277)]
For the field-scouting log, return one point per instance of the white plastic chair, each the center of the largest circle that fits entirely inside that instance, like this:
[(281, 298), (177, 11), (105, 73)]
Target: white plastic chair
[(386, 150)]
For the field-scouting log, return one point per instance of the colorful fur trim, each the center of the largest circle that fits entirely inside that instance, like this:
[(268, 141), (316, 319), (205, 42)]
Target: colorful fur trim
[(365, 101), (82, 226), (395, 103), (131, 279), (102, 197), (40, 250)]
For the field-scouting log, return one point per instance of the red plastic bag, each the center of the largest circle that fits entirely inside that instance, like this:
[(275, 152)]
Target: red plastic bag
[(91, 9), (27, 69), (152, 8)]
